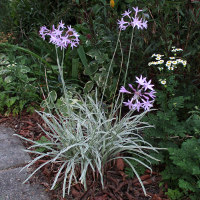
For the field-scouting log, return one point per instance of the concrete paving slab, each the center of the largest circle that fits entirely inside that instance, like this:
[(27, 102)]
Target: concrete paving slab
[(12, 158), (6, 133), (12, 187), (12, 154)]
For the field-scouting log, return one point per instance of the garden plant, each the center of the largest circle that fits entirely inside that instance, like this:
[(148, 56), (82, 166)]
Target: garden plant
[(86, 137), (123, 83)]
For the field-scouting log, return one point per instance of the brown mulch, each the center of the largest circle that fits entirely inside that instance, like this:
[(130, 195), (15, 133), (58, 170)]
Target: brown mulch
[(117, 185)]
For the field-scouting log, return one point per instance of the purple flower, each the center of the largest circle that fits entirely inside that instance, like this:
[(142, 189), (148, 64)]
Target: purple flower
[(60, 36), (73, 44), (61, 25), (142, 97), (136, 10), (123, 90), (129, 104), (137, 95), (135, 21), (147, 85), (54, 39), (151, 94), (43, 32), (57, 32), (65, 40), (127, 13), (137, 105), (122, 23), (147, 104), (131, 87), (140, 80), (144, 24)]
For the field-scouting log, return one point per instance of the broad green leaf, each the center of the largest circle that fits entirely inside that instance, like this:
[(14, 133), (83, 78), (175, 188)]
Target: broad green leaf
[(2, 56), (24, 69), (3, 59), (91, 69), (3, 71), (8, 79), (97, 55)]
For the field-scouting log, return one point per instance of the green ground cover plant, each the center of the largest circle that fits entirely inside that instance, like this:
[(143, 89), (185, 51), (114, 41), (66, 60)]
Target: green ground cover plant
[(176, 126), (18, 88)]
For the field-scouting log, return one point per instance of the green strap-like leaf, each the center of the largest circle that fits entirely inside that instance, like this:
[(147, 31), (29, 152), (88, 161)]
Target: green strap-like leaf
[(82, 56)]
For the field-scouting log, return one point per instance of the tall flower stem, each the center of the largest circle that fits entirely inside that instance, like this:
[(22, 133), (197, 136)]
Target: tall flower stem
[(127, 65), (114, 106), (60, 68), (129, 55), (120, 69), (110, 67)]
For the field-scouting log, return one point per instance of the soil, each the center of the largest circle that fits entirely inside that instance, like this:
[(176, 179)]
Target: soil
[(117, 185)]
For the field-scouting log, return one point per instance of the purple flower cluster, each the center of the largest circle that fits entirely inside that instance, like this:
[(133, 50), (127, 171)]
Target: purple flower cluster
[(60, 36), (143, 96), (134, 21)]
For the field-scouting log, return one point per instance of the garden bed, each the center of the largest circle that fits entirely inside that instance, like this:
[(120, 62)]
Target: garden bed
[(117, 185)]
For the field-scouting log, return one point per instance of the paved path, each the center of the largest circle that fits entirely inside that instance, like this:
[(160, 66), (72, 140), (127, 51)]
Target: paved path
[(12, 159)]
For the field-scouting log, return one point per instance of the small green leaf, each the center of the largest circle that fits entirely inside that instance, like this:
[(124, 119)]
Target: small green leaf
[(42, 141), (99, 79), (186, 185), (54, 67), (88, 86), (52, 96), (11, 101)]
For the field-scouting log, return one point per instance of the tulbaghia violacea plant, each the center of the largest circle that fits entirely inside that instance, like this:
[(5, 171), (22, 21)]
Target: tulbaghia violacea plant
[(88, 139), (142, 97)]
